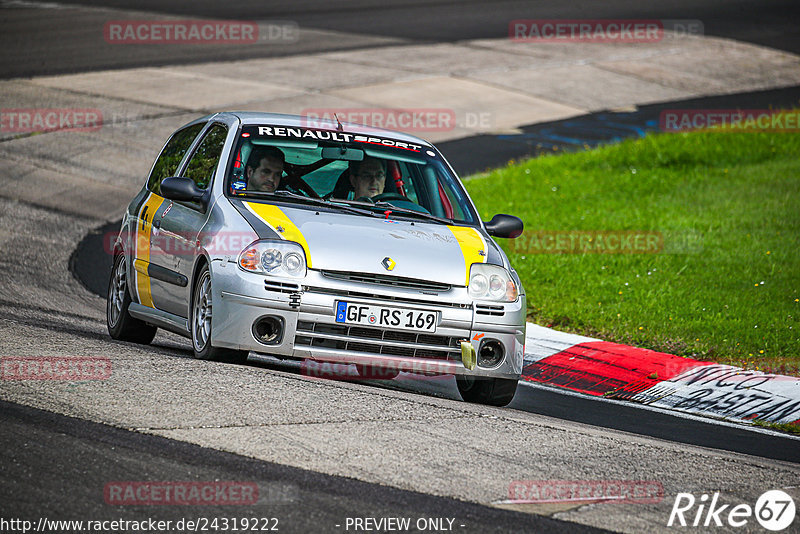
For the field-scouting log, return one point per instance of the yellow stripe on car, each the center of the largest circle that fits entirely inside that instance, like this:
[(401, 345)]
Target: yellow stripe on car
[(473, 247), (141, 267), (281, 223), (144, 227)]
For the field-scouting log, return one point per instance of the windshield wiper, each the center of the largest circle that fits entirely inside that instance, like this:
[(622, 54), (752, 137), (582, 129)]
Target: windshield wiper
[(312, 201), (407, 211)]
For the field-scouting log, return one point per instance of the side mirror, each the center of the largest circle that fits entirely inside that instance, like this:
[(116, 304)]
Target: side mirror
[(503, 225), (181, 189)]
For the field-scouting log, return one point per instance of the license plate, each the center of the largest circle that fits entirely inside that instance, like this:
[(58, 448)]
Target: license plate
[(385, 317)]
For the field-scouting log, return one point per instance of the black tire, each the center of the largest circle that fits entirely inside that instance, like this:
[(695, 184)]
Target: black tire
[(200, 321), (482, 390), (121, 325)]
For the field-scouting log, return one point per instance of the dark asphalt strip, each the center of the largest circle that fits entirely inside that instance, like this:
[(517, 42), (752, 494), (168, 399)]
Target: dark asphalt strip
[(57, 467), (482, 152), (91, 261), (80, 46), (637, 420)]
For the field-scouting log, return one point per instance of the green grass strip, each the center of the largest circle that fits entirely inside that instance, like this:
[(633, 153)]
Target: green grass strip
[(721, 278)]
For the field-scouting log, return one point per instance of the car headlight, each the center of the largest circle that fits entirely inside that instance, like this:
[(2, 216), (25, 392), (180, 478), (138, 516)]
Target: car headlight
[(277, 258), (491, 282)]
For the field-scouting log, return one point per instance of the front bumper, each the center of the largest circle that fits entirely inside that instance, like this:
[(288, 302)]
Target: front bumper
[(307, 310)]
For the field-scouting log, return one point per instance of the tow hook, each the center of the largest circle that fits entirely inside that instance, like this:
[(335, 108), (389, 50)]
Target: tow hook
[(468, 357)]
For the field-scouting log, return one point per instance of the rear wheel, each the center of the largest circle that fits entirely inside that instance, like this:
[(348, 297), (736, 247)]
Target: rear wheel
[(121, 325), (482, 390), (201, 325)]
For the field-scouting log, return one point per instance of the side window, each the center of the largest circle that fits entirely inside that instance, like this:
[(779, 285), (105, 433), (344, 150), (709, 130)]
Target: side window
[(204, 160), (458, 213), (169, 159)]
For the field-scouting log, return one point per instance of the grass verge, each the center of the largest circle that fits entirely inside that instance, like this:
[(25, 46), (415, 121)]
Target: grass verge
[(789, 428), (720, 213)]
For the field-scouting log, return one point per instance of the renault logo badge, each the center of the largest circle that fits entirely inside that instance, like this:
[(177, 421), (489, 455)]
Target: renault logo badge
[(388, 263)]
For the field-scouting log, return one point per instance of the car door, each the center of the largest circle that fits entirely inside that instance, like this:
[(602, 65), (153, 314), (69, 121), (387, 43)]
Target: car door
[(179, 225), (149, 212)]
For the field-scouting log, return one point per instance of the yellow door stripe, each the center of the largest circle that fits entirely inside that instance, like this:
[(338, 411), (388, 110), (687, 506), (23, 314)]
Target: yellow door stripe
[(144, 226), (141, 267), (472, 244), (275, 218)]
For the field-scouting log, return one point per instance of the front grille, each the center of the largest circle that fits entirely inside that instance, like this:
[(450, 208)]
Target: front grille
[(387, 280), (377, 341)]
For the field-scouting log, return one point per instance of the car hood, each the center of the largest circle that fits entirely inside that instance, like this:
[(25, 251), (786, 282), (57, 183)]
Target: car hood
[(359, 244)]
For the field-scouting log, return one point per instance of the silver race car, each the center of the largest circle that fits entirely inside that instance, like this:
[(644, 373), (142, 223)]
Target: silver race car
[(263, 234)]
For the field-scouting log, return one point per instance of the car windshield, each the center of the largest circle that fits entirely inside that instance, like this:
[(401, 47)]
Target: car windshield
[(375, 173)]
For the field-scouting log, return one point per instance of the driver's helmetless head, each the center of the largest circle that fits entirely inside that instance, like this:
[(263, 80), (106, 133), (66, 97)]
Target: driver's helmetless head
[(264, 169), (368, 177)]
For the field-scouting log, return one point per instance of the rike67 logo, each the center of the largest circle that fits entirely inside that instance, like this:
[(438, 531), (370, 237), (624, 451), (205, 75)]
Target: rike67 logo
[(774, 510)]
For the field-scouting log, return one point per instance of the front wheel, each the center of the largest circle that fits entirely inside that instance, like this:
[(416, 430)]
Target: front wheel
[(121, 325), (201, 325), (482, 390)]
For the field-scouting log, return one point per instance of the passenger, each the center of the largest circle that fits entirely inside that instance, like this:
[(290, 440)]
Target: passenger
[(367, 177), (265, 168)]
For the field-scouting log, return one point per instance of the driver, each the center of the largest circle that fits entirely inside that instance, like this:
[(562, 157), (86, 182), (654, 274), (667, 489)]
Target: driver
[(367, 177), (265, 168)]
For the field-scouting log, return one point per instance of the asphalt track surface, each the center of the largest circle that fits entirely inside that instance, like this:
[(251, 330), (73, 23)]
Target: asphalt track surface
[(44, 453), (72, 42)]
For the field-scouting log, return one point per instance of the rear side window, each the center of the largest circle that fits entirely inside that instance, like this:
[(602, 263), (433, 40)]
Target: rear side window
[(205, 159), (169, 159)]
